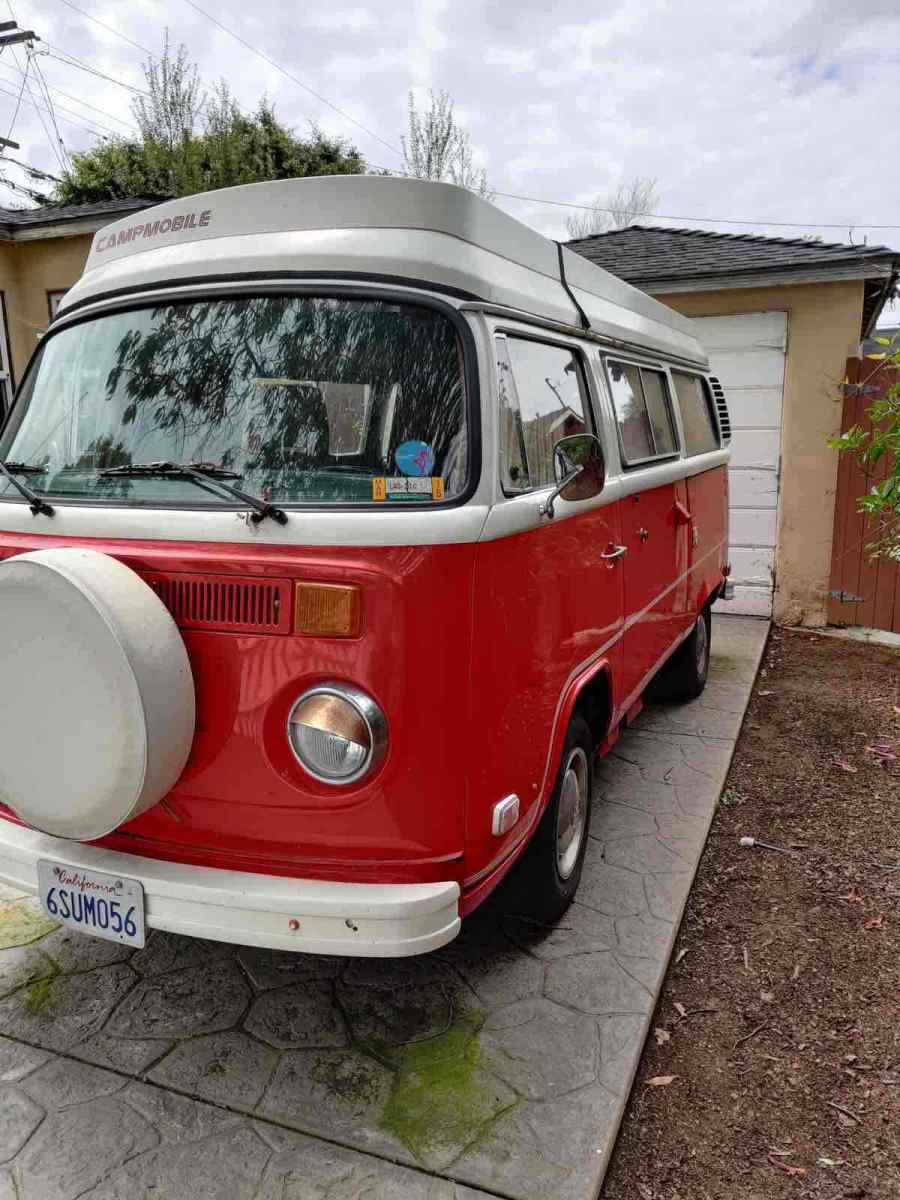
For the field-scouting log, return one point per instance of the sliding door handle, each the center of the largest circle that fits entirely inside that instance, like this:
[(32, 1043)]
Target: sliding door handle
[(612, 552)]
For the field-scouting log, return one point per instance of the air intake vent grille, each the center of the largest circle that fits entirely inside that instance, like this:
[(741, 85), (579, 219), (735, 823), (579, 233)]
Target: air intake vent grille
[(224, 602), (721, 408)]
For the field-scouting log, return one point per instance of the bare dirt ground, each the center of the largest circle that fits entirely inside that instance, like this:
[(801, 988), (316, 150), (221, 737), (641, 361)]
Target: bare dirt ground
[(773, 1066)]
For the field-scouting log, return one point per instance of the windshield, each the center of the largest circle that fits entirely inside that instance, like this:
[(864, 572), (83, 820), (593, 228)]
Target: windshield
[(307, 399)]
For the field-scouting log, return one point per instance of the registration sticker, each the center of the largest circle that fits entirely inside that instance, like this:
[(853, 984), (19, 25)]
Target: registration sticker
[(432, 486), (105, 906)]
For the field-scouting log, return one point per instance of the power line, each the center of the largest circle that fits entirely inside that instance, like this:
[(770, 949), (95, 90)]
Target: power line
[(54, 145), (70, 60), (288, 75), (108, 28), (97, 132), (669, 217), (77, 100), (708, 220), (12, 123), (49, 99)]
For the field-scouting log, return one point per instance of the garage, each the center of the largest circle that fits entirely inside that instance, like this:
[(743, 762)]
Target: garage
[(746, 351)]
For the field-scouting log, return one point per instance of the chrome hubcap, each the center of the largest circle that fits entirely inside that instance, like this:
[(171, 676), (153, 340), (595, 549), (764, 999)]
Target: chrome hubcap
[(572, 816), (701, 642)]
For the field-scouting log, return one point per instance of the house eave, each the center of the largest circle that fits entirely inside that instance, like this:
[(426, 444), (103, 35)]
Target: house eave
[(870, 269), (62, 229)]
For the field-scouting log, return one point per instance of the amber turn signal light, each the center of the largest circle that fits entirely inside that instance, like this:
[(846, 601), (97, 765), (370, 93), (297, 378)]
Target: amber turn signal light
[(327, 609)]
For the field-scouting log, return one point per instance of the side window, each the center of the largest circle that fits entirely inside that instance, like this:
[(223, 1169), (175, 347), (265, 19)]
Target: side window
[(697, 418), (641, 399), (543, 398)]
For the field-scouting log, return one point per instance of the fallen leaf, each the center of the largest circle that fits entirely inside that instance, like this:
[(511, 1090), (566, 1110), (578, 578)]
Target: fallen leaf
[(661, 1080), (767, 997), (765, 693), (845, 766), (680, 1009), (799, 1172), (680, 955), (824, 1161), (795, 974), (853, 897), (662, 1036), (875, 922)]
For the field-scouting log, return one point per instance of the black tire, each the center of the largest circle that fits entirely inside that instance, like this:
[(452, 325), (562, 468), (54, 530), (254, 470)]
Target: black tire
[(684, 675), (543, 883)]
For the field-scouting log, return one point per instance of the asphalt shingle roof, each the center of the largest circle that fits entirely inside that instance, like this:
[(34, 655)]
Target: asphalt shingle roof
[(56, 214), (648, 255)]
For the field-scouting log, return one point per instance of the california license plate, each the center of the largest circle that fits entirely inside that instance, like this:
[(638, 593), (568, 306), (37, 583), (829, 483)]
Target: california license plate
[(106, 906)]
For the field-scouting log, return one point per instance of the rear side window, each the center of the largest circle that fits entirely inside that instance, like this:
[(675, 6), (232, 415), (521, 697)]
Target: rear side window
[(542, 399), (640, 397), (697, 419)]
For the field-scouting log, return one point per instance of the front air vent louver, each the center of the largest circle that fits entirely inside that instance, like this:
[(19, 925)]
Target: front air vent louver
[(721, 409), (225, 602)]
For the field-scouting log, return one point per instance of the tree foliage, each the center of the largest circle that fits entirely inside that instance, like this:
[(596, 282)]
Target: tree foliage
[(437, 147), (880, 444), (617, 209), (192, 141)]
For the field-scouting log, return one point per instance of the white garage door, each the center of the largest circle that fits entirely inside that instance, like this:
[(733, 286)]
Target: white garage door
[(747, 353)]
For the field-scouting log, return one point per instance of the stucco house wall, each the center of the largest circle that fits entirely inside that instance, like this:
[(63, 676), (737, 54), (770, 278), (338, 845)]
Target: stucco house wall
[(28, 271), (823, 330)]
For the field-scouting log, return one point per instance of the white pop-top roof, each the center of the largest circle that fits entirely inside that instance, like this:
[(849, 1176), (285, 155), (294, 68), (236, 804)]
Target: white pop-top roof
[(410, 231)]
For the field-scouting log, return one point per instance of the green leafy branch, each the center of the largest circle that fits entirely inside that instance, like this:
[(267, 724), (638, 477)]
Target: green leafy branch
[(877, 446)]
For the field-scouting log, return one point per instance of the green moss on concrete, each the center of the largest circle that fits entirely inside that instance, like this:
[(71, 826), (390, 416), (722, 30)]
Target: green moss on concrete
[(353, 1081), (39, 999), (22, 922), (442, 1098)]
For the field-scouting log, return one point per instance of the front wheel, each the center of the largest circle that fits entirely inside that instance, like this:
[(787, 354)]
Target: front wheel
[(543, 883), (684, 675)]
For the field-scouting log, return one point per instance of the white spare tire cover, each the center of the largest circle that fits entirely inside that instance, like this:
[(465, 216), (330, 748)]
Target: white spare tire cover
[(97, 708)]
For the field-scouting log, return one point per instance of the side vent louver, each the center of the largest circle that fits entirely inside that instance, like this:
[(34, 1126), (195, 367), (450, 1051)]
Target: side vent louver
[(225, 602), (721, 408)]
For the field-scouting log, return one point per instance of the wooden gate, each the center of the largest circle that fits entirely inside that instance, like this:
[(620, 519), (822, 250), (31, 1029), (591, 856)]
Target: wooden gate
[(863, 591)]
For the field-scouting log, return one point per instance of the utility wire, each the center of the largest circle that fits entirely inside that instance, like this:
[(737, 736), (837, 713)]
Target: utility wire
[(669, 216), (49, 99), (54, 145), (77, 100), (95, 130), (108, 28), (288, 75), (12, 123), (70, 60)]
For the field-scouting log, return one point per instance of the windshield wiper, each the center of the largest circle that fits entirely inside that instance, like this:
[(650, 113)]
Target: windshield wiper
[(35, 503), (201, 473)]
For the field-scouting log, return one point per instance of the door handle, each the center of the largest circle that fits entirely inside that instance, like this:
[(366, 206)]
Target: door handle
[(614, 552)]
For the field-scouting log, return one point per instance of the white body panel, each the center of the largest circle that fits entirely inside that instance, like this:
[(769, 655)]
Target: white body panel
[(747, 353), (365, 919)]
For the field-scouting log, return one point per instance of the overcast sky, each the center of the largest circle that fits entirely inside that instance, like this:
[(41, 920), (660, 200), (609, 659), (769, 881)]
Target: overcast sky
[(759, 110)]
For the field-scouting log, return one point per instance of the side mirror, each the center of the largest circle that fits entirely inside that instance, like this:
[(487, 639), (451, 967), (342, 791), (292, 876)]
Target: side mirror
[(580, 470)]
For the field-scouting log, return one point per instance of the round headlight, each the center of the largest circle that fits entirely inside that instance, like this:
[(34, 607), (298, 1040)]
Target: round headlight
[(337, 733)]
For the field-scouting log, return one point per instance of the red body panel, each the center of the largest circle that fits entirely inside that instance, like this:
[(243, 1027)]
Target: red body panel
[(547, 608), (475, 652)]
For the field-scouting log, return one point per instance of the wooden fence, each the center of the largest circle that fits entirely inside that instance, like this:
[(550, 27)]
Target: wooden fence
[(863, 590)]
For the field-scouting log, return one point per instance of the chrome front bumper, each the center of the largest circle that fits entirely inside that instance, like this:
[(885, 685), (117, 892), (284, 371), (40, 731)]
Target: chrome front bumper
[(313, 916)]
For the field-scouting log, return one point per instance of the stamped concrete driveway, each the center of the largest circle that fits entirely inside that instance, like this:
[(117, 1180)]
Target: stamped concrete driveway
[(499, 1066)]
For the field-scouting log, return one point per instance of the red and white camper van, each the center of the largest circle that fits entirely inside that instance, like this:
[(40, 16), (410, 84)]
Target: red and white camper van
[(343, 522)]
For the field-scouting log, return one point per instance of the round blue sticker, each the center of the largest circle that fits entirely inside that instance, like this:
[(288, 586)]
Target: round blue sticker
[(414, 458)]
